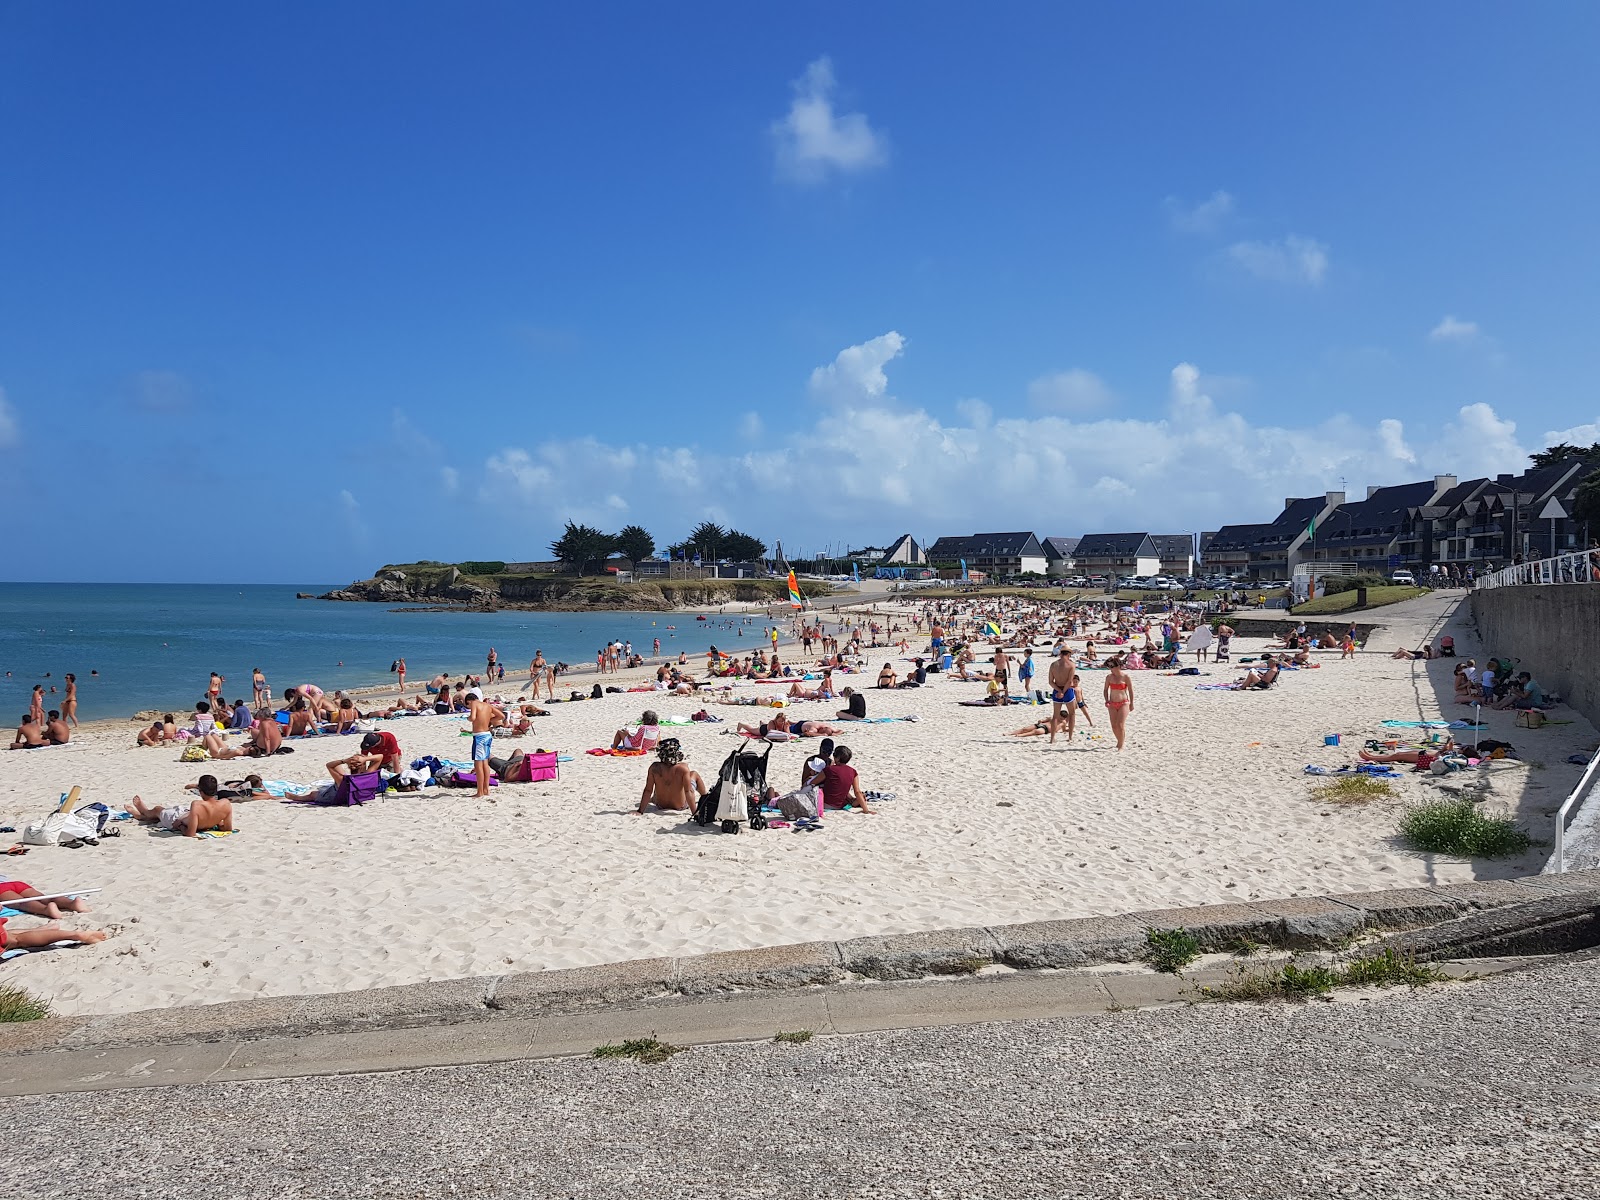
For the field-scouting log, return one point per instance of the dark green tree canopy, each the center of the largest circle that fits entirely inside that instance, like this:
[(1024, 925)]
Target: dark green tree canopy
[(635, 542), (1586, 503), (707, 538), (581, 544), (741, 547), (1554, 454)]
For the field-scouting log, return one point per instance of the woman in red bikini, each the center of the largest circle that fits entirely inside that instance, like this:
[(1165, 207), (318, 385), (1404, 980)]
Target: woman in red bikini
[(1119, 700)]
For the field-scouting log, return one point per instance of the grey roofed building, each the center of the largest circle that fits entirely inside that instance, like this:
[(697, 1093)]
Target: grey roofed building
[(1366, 530), (997, 553), (1061, 550), (1117, 554), (904, 550), (1176, 551), (1228, 549)]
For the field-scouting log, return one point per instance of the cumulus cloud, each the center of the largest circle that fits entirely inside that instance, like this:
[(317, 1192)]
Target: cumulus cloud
[(10, 433), (1076, 391), (1206, 217), (814, 142), (857, 373), (879, 466), (1578, 435), (1452, 330), (1293, 259)]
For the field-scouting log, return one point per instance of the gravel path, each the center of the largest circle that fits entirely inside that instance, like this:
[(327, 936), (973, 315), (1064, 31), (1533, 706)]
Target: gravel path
[(1473, 1090)]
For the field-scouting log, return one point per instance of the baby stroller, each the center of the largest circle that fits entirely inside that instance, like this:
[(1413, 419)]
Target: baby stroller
[(737, 796)]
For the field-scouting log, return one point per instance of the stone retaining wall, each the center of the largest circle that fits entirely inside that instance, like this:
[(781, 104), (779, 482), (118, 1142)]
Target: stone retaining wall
[(1554, 629)]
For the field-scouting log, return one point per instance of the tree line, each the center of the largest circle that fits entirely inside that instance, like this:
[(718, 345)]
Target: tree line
[(580, 545)]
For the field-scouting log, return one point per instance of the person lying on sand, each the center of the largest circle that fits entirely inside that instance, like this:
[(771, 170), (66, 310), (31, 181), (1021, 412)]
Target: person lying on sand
[(207, 811), (823, 691), (1402, 652), (671, 784), (1254, 680), (248, 788), (779, 724), (14, 893), (1050, 725), (32, 939), (263, 741)]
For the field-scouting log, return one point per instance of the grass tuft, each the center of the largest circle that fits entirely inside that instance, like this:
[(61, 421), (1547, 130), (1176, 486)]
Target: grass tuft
[(1353, 789), (645, 1050), (1243, 946), (16, 1004), (1170, 950), (1456, 827), (797, 1037), (960, 966), (1290, 982)]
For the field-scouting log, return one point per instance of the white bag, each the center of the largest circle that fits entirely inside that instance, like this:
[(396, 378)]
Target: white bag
[(733, 800), (47, 832)]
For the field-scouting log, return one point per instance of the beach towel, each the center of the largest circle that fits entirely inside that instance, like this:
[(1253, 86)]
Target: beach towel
[(608, 752), (1435, 724)]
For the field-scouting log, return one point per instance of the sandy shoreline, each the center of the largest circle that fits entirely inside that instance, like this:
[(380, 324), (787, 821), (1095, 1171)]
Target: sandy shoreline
[(1209, 803)]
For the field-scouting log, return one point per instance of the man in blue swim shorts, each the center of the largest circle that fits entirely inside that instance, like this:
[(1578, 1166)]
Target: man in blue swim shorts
[(1062, 693), (484, 717)]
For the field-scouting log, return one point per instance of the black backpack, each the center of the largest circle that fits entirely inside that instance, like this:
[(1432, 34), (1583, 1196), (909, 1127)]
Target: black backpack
[(597, 692)]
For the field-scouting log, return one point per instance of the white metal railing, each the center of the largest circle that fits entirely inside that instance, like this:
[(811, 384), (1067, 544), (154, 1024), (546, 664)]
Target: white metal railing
[(1559, 858), (1581, 567)]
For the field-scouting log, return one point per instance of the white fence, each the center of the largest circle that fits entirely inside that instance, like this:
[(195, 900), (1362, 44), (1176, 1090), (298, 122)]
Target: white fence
[(1558, 860), (1564, 568)]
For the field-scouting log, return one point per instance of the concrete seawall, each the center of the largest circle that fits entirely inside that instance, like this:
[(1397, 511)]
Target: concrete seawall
[(1554, 630)]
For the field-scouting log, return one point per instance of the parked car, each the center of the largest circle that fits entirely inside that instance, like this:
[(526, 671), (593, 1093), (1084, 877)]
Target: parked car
[(1403, 578)]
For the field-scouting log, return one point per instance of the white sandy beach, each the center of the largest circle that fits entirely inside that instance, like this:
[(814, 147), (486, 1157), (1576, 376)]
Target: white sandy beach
[(1208, 803)]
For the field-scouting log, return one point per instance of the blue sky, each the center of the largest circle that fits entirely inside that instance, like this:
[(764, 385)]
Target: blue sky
[(293, 290)]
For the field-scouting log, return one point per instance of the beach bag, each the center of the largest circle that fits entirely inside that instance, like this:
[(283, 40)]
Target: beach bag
[(597, 692), (47, 832), (193, 754), (1530, 718), (540, 767), (1189, 671), (470, 779), (357, 789)]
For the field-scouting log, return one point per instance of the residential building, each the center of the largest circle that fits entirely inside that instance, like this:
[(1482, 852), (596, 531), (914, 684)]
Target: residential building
[(1176, 551), (1117, 554), (1227, 551), (1367, 532), (1058, 552), (1487, 522), (1279, 548), (998, 554)]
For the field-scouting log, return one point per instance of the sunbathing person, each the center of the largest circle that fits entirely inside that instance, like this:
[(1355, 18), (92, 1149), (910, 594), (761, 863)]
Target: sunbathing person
[(46, 935), (1040, 728), (1408, 756), (671, 784), (347, 716), (1254, 680), (363, 762), (1402, 652), (263, 741), (857, 706), (824, 690), (778, 724), (206, 812), (15, 894), (813, 729), (29, 734), (248, 788), (642, 738), (55, 729), (886, 677)]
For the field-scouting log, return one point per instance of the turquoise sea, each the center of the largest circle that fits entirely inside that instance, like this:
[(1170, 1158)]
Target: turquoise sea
[(155, 645)]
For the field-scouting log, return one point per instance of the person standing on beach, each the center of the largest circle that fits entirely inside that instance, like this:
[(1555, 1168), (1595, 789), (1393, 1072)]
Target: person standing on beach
[(1025, 672), (1119, 700), (258, 681), (214, 691), (489, 665), (400, 673), (1062, 693), (69, 703), (484, 717), (1002, 675), (36, 706)]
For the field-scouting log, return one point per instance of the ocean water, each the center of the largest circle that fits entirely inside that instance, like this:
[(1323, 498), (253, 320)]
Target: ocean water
[(155, 645)]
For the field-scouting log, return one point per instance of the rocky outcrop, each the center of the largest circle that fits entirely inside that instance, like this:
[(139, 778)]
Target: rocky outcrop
[(543, 593)]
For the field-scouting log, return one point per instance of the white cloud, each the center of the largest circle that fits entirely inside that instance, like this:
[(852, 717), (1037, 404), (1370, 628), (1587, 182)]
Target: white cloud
[(162, 391), (1392, 436), (10, 434), (813, 141), (1205, 217), (1578, 435), (1452, 330), (879, 462), (1293, 259), (355, 526), (750, 426), (1075, 391), (857, 373), (451, 478)]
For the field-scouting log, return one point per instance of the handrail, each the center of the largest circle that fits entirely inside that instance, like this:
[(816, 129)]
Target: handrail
[(1579, 567), (1560, 856)]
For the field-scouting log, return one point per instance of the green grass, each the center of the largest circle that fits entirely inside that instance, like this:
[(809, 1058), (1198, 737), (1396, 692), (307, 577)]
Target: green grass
[(798, 1037), (1456, 827), (645, 1050), (1287, 981), (1170, 950), (1352, 789), (1346, 601), (19, 1005)]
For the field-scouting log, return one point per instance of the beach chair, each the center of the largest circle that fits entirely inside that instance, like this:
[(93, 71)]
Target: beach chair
[(356, 789)]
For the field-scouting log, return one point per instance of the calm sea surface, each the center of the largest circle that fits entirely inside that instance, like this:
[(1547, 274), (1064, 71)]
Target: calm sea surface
[(155, 645)]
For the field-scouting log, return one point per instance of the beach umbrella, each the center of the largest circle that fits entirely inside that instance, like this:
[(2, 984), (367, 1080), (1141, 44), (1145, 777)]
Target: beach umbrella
[(992, 628)]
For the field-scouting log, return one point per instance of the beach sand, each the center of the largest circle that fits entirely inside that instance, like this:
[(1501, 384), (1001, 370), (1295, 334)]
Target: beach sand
[(1208, 803)]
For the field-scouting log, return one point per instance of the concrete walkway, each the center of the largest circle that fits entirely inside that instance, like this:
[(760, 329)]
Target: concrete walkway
[(1466, 1090)]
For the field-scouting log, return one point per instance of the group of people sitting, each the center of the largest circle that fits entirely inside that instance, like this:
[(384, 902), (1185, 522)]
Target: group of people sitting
[(1497, 686), (32, 734), (827, 781)]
